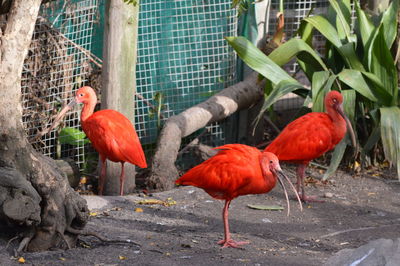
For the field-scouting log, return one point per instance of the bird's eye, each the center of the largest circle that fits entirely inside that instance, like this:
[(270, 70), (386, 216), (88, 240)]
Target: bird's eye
[(81, 95), (334, 100), (271, 161)]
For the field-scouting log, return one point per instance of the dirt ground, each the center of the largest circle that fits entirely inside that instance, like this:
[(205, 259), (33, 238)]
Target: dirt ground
[(362, 208)]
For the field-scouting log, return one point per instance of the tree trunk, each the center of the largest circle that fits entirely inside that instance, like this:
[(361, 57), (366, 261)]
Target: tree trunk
[(34, 195), (119, 78), (223, 104)]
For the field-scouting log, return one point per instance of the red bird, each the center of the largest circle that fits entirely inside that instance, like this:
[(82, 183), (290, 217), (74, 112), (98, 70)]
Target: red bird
[(111, 133), (310, 136), (236, 170)]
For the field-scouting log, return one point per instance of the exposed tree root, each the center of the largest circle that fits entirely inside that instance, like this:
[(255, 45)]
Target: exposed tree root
[(100, 237)]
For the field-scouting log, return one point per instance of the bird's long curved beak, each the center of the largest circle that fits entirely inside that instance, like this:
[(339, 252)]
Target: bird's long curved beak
[(339, 109), (280, 172), (62, 113)]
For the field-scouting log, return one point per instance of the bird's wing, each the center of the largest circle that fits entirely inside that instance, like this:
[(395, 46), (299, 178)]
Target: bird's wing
[(304, 139), (223, 175), (114, 136)]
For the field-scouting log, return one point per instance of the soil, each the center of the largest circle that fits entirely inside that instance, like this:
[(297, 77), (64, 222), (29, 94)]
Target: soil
[(362, 208)]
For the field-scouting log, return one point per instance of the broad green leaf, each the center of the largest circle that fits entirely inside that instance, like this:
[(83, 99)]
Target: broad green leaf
[(389, 23), (337, 156), (280, 90), (306, 32), (319, 80), (378, 89), (342, 13), (382, 65), (349, 104), (390, 135), (355, 80), (72, 136), (349, 55), (343, 18), (364, 25), (258, 61), (287, 51), (265, 207), (371, 141), (326, 29)]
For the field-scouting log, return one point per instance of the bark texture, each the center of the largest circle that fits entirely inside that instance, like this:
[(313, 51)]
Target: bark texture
[(223, 104), (119, 78), (35, 196)]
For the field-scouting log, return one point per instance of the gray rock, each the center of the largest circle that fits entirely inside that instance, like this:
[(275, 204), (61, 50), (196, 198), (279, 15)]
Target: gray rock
[(380, 252)]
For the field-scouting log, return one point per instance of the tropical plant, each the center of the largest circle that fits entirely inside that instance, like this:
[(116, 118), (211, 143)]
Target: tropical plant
[(357, 62)]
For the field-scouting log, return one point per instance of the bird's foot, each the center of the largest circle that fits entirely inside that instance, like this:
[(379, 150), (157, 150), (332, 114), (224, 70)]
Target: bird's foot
[(308, 199), (231, 243)]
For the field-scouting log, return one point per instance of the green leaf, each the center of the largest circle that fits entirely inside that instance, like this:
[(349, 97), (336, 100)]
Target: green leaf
[(349, 104), (382, 65), (378, 89), (326, 29), (319, 80), (343, 18), (390, 135), (355, 80), (258, 61), (72, 136), (371, 141), (389, 23), (364, 25), (280, 90), (297, 47), (336, 158), (349, 55), (265, 207)]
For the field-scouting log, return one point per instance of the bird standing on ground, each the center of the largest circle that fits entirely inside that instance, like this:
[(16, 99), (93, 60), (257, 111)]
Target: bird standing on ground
[(310, 136), (236, 170), (110, 132)]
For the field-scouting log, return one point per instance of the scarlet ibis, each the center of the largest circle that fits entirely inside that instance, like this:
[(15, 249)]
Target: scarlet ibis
[(234, 171), (110, 132), (310, 136)]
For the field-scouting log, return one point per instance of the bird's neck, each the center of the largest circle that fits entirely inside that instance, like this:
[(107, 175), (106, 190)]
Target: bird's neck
[(88, 109), (339, 124)]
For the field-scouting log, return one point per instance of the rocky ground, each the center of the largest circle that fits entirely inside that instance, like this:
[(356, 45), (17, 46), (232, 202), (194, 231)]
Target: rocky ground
[(184, 226)]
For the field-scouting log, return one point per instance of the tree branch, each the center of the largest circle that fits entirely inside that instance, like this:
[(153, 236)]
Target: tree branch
[(239, 96)]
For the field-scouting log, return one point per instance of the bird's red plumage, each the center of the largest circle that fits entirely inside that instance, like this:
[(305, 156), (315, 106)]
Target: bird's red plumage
[(114, 137), (306, 138), (234, 171)]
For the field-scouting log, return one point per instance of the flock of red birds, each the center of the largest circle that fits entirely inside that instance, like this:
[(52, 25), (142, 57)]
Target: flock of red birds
[(236, 169)]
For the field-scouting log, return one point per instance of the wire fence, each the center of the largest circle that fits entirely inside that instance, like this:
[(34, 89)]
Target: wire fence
[(295, 11), (57, 64), (182, 60)]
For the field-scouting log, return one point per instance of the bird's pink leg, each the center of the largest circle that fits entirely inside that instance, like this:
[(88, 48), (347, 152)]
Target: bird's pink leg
[(103, 173), (227, 241), (301, 170), (121, 180)]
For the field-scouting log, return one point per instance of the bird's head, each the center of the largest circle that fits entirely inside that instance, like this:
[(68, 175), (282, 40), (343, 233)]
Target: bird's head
[(84, 95), (334, 102), (270, 163)]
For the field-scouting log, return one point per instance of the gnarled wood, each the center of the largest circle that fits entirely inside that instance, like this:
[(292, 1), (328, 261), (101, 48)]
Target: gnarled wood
[(35, 195), (221, 105)]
